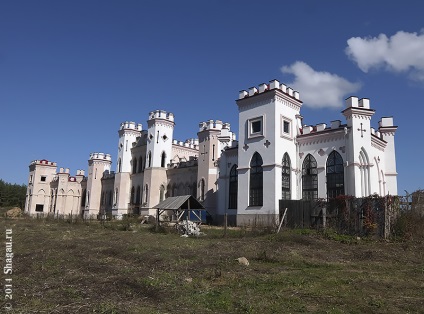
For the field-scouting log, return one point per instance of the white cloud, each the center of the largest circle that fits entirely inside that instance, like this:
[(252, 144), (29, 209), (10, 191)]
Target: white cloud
[(319, 89), (402, 52)]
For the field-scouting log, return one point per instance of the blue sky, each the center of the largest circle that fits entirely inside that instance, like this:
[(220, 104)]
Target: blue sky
[(72, 71)]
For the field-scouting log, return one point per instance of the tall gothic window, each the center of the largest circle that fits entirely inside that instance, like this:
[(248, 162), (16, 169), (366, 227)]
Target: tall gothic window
[(149, 159), (134, 168), (83, 197), (163, 160), (335, 175), (161, 193), (138, 195), (364, 167), (119, 165), (115, 200), (140, 164), (146, 196), (285, 177), (132, 195), (232, 199), (194, 189), (202, 189), (309, 178), (256, 181)]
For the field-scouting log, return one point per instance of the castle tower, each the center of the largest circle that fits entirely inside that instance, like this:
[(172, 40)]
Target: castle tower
[(213, 136), (158, 156), (128, 133), (41, 174), (359, 161), (269, 119), (389, 175), (97, 165)]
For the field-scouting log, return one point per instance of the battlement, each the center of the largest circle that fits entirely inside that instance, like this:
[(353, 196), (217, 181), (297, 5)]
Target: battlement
[(43, 162), (64, 170), (80, 172), (320, 127), (385, 122), (129, 125), (192, 161), (161, 114), (363, 103), (100, 156), (376, 133), (108, 175), (192, 143), (213, 125), (274, 84)]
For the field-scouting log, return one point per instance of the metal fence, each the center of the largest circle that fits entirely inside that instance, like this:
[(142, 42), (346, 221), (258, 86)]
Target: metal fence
[(357, 216)]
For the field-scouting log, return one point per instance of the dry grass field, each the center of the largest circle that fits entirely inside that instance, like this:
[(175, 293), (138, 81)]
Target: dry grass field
[(124, 267)]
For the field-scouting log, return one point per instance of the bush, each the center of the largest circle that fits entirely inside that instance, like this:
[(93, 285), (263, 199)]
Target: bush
[(409, 226)]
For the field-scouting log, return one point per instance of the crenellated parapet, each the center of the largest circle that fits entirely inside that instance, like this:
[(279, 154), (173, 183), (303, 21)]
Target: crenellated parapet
[(217, 125), (273, 85), (161, 114), (100, 156), (190, 143), (80, 172), (130, 125), (386, 126), (354, 102), (43, 162)]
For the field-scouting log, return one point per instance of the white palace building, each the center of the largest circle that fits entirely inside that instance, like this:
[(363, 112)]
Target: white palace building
[(276, 157)]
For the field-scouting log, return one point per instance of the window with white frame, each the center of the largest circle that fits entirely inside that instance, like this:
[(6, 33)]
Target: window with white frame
[(286, 127), (256, 127)]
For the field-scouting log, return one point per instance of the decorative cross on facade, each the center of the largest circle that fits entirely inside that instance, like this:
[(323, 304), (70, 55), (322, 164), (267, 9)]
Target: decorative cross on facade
[(362, 131), (245, 147), (204, 152), (267, 143)]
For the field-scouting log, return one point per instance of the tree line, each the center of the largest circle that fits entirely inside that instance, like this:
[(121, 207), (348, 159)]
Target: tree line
[(12, 194)]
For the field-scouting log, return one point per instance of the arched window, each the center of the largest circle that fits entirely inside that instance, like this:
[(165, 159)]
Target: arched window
[(309, 178), (163, 160), (194, 189), (232, 189), (138, 196), (202, 190), (88, 198), (149, 159), (285, 178), (134, 166), (256, 181), (146, 194), (335, 175), (83, 197), (101, 198), (365, 173), (140, 164), (115, 201), (132, 195), (161, 193), (119, 165)]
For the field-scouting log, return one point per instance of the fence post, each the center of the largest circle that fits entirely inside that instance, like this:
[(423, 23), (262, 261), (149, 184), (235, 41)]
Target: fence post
[(324, 217), (386, 219), (225, 224), (282, 219)]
